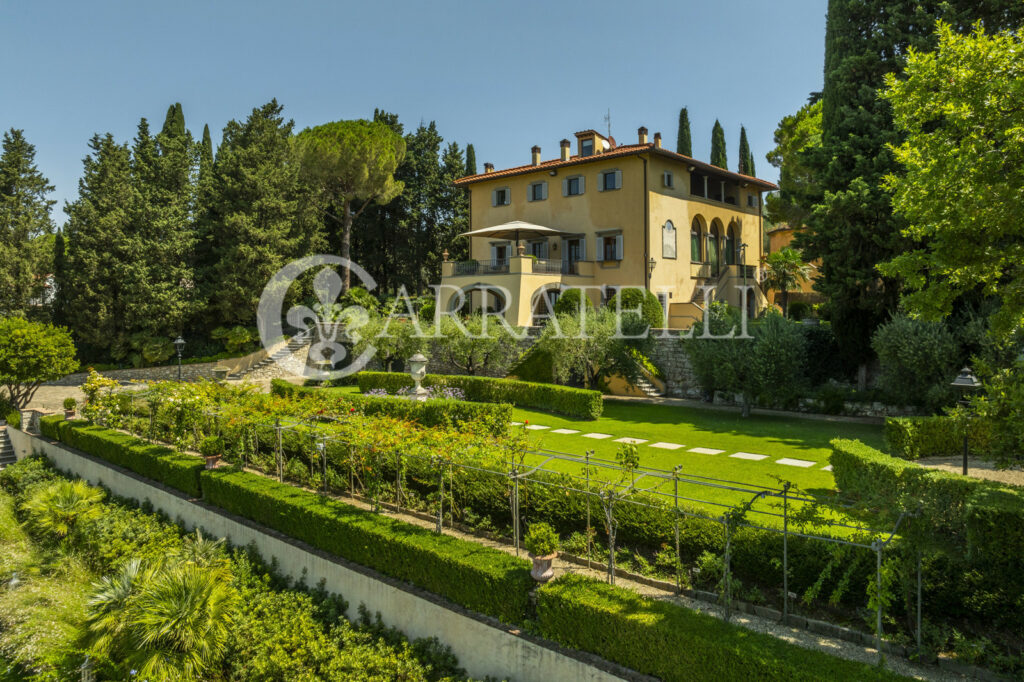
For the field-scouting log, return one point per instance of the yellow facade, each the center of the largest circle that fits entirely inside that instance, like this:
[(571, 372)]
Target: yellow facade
[(620, 230)]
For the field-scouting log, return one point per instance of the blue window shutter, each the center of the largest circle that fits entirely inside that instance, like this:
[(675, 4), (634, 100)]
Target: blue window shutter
[(618, 246), (618, 179)]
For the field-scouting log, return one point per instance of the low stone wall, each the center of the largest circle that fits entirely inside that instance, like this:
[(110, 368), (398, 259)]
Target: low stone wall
[(191, 372), (483, 645), (669, 357)]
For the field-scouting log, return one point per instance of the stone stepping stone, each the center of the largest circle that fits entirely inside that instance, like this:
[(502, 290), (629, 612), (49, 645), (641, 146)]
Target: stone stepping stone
[(517, 423), (631, 441), (537, 427), (802, 463), (828, 468), (597, 436), (749, 455), (706, 451), (666, 446), (566, 431)]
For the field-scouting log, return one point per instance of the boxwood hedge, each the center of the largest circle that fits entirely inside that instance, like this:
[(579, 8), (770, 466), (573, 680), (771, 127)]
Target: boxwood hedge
[(477, 577), (916, 437), (675, 643), (572, 402), (492, 418), (160, 463)]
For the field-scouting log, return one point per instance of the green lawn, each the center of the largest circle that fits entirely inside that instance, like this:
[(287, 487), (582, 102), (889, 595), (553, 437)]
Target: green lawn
[(777, 437)]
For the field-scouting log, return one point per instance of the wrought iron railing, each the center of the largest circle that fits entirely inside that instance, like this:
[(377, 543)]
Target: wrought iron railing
[(480, 267)]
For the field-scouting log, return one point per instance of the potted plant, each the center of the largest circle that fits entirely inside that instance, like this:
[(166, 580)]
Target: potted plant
[(69, 407), (542, 543), (211, 448)]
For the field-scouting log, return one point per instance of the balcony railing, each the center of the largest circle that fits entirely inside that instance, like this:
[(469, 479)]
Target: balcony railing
[(480, 267)]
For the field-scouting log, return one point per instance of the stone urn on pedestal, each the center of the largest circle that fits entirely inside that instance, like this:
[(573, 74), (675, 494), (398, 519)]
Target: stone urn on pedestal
[(418, 370), (542, 543)]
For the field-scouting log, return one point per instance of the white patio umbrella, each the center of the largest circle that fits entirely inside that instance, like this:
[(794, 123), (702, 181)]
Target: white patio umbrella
[(514, 230)]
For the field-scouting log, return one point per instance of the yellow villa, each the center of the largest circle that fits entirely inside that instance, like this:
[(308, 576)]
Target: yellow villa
[(606, 217)]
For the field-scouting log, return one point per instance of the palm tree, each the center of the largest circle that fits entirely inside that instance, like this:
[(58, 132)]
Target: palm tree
[(784, 270), (57, 507)]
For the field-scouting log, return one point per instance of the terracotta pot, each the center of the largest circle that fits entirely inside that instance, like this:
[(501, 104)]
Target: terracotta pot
[(69, 414), (542, 571), (211, 462)]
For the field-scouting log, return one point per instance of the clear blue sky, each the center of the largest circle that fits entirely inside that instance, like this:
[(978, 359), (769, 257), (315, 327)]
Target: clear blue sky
[(503, 76)]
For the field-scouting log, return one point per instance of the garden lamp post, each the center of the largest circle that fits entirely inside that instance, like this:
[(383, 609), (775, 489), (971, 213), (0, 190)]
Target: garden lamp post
[(965, 382), (179, 345)]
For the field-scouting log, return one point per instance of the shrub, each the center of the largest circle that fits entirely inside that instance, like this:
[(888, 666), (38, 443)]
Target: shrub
[(14, 419), (477, 577), (541, 539), (798, 310), (490, 418), (823, 359), (632, 299), (916, 437), (674, 643), (157, 462), (569, 302), (31, 353), (535, 366), (572, 402), (918, 360), (70, 403), (211, 446)]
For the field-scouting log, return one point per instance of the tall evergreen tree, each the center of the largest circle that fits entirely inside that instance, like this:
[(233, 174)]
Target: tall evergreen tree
[(718, 156), (746, 163), (25, 226), (59, 274), (853, 228), (453, 216), (205, 155), (470, 160), (257, 216), (684, 143)]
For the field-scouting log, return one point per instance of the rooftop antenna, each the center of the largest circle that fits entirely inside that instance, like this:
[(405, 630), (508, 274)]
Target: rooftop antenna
[(608, 122)]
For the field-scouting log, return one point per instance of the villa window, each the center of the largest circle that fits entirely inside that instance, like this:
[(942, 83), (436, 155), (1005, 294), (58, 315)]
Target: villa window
[(587, 147), (695, 240), (752, 200), (539, 249), (501, 197), (611, 248), (574, 186), (668, 240), (611, 179), (668, 180), (663, 300), (537, 191)]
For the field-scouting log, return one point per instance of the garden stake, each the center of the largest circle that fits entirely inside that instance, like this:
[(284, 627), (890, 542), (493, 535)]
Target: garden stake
[(727, 582), (398, 481), (877, 546), (590, 533), (785, 551), (323, 461), (280, 451), (679, 561), (515, 507)]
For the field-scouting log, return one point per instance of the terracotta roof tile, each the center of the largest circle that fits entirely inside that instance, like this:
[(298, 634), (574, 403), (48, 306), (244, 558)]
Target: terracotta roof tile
[(619, 151)]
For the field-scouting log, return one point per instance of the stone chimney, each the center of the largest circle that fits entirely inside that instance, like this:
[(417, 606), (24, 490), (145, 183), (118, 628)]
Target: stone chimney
[(535, 155), (657, 140), (565, 149), (641, 133), (488, 167)]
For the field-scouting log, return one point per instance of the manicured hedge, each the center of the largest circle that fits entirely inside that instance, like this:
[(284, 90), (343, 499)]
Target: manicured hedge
[(572, 402), (160, 463), (14, 419), (916, 437), (675, 643), (477, 577), (493, 418)]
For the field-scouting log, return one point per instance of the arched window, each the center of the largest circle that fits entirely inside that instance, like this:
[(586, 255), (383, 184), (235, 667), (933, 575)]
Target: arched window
[(713, 252), (695, 241), (730, 246), (668, 240)]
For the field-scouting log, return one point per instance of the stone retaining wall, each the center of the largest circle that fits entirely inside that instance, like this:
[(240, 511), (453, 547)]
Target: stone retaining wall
[(191, 372)]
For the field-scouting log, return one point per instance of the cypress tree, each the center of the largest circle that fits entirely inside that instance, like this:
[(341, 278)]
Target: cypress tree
[(205, 155), (853, 228), (684, 144), (718, 155), (746, 163), (470, 160), (59, 275), (25, 226)]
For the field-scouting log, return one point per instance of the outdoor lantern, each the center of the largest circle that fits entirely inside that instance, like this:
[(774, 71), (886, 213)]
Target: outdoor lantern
[(179, 345), (650, 266), (418, 370), (965, 382)]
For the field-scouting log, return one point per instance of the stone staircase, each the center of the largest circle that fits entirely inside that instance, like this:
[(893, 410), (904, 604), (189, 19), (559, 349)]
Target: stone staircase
[(648, 388), (6, 449), (294, 345)]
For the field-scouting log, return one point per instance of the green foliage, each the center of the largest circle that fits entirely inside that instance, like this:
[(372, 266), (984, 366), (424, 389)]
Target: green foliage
[(918, 360), (684, 144), (58, 507), (70, 403), (476, 345), (633, 299), (31, 353), (784, 271), (492, 419), (674, 643), (237, 339), (541, 539), (25, 226), (796, 139), (572, 402), (959, 176), (160, 463), (211, 446), (479, 578), (594, 346), (1001, 408), (746, 162), (916, 437), (718, 154), (395, 340), (535, 366), (570, 302), (14, 419)]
